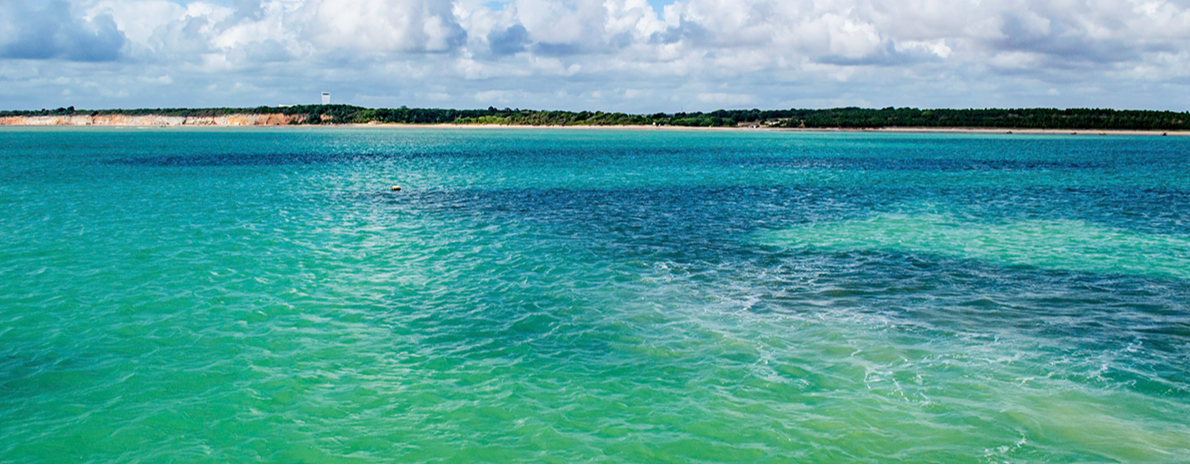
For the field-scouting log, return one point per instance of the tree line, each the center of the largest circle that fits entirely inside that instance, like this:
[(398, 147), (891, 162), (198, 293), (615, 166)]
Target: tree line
[(851, 117)]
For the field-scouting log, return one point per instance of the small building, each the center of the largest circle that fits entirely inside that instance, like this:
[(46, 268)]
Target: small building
[(326, 98)]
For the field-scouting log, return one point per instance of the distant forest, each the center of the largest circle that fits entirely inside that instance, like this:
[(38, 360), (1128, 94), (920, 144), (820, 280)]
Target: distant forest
[(1024, 118)]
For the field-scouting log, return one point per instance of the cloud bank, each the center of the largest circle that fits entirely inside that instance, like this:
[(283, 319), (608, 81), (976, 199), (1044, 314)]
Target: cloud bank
[(625, 55)]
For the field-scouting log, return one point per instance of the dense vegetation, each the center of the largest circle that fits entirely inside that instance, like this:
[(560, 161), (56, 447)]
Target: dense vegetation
[(1025, 118)]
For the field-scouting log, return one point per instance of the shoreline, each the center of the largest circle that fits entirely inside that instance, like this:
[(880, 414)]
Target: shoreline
[(902, 130), (906, 130)]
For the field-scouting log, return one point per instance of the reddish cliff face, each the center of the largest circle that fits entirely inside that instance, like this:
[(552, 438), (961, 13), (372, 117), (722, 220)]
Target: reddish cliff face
[(272, 119)]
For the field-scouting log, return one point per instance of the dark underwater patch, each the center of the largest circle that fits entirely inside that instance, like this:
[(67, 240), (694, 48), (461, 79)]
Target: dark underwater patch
[(913, 164), (254, 159)]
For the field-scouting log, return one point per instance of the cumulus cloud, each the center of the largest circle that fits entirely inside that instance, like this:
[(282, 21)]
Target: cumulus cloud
[(509, 41), (57, 31), (379, 25), (583, 53)]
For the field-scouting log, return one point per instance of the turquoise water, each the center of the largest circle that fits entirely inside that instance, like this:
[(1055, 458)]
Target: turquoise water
[(613, 296)]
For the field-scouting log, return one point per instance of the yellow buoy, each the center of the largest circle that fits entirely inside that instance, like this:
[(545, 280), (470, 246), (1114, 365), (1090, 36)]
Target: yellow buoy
[(396, 188)]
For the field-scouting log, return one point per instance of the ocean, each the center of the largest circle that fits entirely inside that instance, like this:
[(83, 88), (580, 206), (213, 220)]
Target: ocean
[(264, 295)]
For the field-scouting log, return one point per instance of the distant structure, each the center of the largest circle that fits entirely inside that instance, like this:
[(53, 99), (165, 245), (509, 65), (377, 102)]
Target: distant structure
[(326, 98)]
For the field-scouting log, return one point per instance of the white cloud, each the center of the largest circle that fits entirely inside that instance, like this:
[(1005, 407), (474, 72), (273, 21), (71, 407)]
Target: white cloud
[(726, 99), (378, 25), (934, 47), (160, 80), (460, 52), (139, 18)]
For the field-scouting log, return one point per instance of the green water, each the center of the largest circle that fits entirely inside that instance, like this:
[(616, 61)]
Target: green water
[(592, 296), (1055, 244)]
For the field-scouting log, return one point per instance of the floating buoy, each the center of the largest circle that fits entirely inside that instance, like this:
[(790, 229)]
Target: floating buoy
[(396, 188)]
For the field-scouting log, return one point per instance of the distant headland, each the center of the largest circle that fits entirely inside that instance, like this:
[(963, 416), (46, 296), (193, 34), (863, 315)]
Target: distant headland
[(1036, 119)]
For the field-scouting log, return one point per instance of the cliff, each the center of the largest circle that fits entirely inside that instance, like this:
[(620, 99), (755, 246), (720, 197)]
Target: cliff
[(274, 119)]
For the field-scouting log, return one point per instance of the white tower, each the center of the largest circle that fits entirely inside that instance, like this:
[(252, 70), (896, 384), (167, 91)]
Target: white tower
[(326, 98)]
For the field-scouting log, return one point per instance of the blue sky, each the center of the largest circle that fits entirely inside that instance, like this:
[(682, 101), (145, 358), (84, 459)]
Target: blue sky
[(660, 4), (612, 55)]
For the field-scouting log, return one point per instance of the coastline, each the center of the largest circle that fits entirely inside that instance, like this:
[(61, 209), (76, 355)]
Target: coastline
[(1053, 132), (909, 130), (281, 121)]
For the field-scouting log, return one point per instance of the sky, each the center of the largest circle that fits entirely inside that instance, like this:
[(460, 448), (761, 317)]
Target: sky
[(639, 56)]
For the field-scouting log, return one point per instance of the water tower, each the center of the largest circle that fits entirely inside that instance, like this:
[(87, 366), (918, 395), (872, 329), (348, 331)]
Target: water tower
[(326, 98)]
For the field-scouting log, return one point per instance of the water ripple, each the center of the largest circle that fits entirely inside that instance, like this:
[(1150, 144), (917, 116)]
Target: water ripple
[(591, 296)]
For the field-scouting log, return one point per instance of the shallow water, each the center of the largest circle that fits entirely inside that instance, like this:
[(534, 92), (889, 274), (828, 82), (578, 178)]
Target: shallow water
[(1056, 244), (629, 296)]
